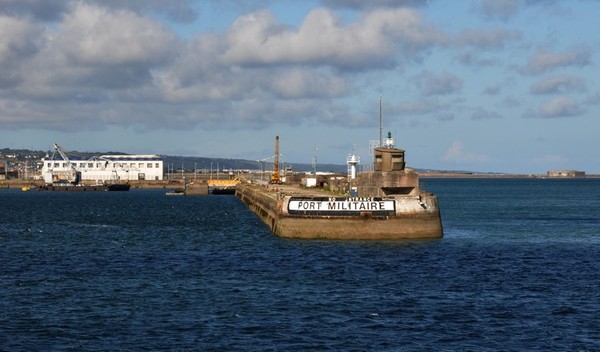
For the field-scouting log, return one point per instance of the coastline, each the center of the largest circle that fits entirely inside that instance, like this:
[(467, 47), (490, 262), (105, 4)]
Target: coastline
[(166, 184), (172, 184), (437, 174)]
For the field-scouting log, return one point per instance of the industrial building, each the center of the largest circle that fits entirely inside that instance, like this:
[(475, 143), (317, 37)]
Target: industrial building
[(109, 167)]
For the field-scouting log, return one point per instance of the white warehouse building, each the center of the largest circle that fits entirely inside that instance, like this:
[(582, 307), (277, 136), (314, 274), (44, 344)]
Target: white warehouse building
[(110, 167)]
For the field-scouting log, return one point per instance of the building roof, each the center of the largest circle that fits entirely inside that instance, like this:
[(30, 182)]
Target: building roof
[(131, 157)]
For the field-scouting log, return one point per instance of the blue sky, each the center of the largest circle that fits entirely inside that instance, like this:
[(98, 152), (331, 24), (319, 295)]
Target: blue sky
[(480, 85)]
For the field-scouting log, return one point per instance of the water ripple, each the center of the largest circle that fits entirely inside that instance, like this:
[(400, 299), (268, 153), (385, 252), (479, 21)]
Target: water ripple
[(141, 271)]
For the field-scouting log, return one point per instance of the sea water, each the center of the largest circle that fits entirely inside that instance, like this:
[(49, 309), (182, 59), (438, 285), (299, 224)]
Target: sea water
[(518, 269)]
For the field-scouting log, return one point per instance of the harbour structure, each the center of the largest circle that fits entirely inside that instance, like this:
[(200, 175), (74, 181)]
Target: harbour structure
[(386, 203), (566, 173), (205, 187), (103, 168), (2, 170), (275, 178), (222, 186), (352, 161)]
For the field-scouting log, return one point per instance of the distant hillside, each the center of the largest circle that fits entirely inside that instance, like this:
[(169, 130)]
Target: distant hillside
[(173, 163), (24, 158), (200, 163)]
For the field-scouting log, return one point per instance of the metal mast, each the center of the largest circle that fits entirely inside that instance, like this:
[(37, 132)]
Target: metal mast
[(276, 178), (380, 124)]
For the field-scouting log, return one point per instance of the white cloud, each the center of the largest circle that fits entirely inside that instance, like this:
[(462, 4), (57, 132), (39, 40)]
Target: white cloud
[(177, 10), (559, 84), (93, 35), (19, 43), (324, 39), (560, 107), (458, 154), (545, 60), (18, 39), (44, 10)]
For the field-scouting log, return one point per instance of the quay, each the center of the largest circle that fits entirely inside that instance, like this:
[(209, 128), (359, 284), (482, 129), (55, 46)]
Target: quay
[(295, 212), (384, 204), (191, 187)]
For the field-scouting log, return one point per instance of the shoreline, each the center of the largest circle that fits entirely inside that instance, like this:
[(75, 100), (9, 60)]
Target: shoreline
[(486, 175), (165, 184), (173, 184)]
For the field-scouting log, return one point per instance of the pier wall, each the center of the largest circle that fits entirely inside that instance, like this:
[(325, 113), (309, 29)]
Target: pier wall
[(414, 218), (262, 202), (416, 226), (196, 188)]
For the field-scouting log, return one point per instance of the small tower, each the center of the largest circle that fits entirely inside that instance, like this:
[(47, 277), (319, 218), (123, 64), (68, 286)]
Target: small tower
[(352, 161), (389, 141), (390, 177), (388, 158)]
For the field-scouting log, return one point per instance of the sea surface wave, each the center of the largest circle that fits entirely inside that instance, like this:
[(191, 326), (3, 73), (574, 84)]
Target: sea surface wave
[(517, 269)]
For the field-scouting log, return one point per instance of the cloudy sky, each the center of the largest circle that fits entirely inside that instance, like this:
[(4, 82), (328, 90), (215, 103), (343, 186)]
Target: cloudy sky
[(480, 85)]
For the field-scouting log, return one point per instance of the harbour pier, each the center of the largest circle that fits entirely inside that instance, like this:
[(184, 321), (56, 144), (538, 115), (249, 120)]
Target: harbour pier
[(296, 212), (384, 204)]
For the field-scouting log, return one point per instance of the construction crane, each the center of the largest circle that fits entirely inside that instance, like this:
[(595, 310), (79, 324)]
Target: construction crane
[(70, 175), (275, 178)]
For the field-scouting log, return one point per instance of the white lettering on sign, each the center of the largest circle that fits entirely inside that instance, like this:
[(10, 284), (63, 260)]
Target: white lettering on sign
[(338, 205)]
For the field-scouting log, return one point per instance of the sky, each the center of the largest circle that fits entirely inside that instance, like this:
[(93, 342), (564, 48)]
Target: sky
[(478, 85)]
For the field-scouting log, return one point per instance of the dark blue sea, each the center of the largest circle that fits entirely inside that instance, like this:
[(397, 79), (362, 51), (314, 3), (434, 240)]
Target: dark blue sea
[(518, 269)]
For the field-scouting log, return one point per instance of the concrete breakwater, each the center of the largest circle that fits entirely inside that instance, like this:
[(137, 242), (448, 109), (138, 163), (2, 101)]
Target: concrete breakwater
[(294, 212), (198, 186), (384, 204)]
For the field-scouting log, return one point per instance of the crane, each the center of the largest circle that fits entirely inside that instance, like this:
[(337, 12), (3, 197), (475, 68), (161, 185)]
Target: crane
[(275, 178), (63, 155), (65, 176)]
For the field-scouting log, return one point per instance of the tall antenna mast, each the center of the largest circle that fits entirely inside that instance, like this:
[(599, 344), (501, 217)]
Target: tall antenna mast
[(276, 178), (380, 123)]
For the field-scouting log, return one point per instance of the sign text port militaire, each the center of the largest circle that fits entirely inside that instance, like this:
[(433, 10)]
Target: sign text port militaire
[(341, 206)]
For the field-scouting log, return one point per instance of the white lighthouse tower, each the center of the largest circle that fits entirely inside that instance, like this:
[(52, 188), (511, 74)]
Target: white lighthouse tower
[(352, 161)]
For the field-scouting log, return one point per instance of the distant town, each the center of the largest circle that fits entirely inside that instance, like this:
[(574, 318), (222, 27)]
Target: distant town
[(27, 164)]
